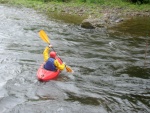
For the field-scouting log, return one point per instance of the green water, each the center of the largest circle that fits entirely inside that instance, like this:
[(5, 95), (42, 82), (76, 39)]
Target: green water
[(136, 26), (68, 18)]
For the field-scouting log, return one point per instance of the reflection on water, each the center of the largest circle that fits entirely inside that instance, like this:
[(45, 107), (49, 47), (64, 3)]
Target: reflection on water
[(138, 26), (109, 76), (136, 71)]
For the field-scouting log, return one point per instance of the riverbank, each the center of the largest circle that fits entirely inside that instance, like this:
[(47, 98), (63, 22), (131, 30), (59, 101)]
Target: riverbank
[(106, 13), (82, 9)]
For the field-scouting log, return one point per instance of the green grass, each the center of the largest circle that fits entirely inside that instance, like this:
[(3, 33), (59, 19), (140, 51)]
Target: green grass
[(77, 4)]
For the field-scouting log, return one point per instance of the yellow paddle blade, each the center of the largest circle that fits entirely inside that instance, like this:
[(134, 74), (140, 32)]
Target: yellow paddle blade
[(69, 69), (44, 36)]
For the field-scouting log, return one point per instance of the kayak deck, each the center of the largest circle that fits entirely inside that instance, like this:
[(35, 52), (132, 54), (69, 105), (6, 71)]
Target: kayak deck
[(46, 75)]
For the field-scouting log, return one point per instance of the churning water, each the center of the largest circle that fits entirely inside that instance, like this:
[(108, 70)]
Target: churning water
[(111, 69)]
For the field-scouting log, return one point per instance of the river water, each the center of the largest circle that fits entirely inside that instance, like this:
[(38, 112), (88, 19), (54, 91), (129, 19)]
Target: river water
[(111, 67)]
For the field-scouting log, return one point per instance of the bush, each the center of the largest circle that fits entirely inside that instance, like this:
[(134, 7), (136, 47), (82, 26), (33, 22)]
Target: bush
[(139, 1)]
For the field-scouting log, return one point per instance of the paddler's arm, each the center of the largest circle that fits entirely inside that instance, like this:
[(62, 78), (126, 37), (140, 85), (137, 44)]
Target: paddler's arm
[(58, 65), (45, 53)]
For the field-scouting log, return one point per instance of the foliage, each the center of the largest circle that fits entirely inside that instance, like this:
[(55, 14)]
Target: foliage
[(101, 1), (98, 1), (93, 4), (139, 1), (89, 1)]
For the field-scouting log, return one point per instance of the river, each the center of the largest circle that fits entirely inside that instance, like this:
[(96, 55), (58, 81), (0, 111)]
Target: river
[(111, 67)]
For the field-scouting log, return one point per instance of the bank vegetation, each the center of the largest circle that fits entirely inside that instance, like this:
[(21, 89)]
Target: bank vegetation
[(95, 12)]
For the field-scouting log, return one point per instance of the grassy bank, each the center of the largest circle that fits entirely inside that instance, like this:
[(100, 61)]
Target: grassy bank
[(80, 8)]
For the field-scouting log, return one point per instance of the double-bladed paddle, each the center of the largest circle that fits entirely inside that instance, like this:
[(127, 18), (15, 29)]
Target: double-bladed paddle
[(45, 38)]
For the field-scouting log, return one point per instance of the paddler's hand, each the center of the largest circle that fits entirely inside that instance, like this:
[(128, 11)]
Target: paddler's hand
[(50, 46), (64, 63)]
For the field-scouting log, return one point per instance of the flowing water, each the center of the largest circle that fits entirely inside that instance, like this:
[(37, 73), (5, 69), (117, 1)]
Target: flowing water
[(111, 67)]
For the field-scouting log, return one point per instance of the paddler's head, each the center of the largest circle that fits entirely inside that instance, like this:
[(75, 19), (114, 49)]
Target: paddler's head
[(52, 54)]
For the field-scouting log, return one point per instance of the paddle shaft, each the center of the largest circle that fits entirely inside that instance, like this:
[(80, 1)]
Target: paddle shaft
[(56, 53)]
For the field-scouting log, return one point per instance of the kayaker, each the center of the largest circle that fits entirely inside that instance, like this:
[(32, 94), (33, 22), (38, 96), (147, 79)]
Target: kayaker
[(50, 62)]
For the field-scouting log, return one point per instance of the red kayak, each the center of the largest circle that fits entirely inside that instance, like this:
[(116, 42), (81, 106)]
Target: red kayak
[(46, 75)]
